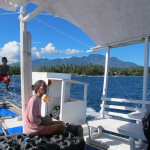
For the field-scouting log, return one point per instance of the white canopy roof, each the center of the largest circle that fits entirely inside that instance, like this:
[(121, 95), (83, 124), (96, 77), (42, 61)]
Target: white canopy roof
[(105, 21)]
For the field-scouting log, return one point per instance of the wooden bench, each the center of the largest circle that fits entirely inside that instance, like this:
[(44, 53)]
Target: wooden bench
[(122, 120)]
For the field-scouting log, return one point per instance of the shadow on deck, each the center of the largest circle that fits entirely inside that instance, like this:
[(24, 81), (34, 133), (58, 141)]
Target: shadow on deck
[(88, 147)]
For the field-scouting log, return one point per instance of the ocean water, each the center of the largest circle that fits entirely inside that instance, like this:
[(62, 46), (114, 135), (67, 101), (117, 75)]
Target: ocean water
[(119, 87)]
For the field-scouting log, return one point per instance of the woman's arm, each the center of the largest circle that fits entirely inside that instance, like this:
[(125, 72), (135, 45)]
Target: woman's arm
[(34, 112)]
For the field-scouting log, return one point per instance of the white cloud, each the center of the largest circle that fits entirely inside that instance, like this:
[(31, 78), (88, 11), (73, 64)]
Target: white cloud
[(36, 42), (34, 48), (72, 51), (49, 49), (36, 55), (11, 50)]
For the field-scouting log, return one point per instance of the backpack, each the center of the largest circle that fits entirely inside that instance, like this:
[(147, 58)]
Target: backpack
[(146, 124)]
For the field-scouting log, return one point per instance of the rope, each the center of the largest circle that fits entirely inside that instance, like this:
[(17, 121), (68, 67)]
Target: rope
[(136, 106), (120, 86), (50, 26), (61, 32)]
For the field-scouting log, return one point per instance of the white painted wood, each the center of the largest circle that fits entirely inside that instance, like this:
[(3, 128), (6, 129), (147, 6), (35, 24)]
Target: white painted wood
[(145, 74), (74, 112), (118, 44), (132, 143), (35, 12), (52, 76), (122, 107), (105, 84), (122, 116), (25, 54), (22, 29), (62, 99), (125, 100), (85, 92)]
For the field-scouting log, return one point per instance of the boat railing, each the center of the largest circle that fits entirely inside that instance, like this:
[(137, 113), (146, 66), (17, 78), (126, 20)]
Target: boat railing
[(119, 118), (124, 108)]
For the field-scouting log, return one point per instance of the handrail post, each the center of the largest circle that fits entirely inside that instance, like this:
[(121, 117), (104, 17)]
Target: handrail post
[(145, 73), (105, 84), (63, 86)]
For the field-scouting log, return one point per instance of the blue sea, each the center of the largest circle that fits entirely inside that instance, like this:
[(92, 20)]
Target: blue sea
[(119, 87)]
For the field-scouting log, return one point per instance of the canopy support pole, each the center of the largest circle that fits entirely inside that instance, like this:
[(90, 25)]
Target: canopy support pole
[(145, 73), (63, 85), (25, 62), (105, 84), (34, 13)]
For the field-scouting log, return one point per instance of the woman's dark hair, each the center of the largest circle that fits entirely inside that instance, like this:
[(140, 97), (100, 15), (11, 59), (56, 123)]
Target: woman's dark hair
[(37, 85)]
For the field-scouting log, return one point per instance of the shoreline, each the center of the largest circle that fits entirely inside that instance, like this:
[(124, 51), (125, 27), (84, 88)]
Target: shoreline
[(94, 76)]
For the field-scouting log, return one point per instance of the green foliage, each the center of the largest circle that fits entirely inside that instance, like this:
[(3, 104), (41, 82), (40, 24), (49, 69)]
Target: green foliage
[(75, 70), (133, 71), (88, 70), (95, 70), (15, 70)]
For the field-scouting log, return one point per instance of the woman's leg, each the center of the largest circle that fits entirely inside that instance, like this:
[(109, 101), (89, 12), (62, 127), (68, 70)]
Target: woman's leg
[(53, 129), (57, 122)]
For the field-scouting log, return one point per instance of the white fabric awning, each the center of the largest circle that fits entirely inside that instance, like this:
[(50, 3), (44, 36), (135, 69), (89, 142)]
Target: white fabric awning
[(105, 21), (11, 5)]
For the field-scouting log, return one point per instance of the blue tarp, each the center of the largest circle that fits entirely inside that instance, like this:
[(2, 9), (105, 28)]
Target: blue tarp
[(1, 131), (14, 130), (6, 112)]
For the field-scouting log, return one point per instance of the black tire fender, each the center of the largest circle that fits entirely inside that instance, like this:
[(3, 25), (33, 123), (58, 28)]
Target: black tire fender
[(64, 145), (69, 135), (57, 138)]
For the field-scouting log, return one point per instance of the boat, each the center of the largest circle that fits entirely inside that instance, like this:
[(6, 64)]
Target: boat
[(110, 24)]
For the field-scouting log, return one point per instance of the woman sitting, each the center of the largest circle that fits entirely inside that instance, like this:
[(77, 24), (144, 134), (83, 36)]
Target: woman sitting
[(33, 122)]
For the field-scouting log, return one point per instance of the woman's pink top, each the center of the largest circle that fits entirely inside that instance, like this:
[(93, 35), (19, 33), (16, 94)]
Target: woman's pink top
[(32, 119)]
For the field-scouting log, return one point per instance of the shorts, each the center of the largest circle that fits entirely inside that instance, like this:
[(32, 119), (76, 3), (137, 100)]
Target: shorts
[(4, 78)]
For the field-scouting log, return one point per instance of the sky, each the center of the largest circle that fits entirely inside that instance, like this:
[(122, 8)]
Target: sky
[(53, 37)]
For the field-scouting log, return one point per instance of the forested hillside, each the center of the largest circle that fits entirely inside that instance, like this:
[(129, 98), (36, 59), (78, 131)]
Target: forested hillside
[(88, 70)]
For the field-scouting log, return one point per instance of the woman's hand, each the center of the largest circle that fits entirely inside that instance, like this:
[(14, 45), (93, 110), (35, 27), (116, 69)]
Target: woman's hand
[(46, 120), (46, 123)]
